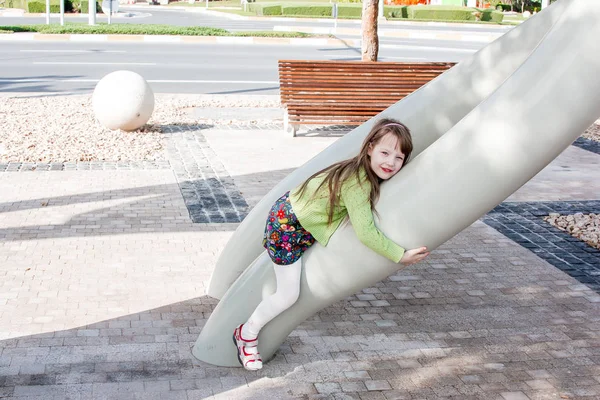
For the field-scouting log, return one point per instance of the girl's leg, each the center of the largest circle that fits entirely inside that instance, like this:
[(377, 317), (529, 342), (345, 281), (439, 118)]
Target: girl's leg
[(286, 294)]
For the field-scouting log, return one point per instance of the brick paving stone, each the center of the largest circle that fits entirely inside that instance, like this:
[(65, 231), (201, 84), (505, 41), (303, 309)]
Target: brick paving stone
[(377, 385), (514, 396), (328, 388), (357, 386)]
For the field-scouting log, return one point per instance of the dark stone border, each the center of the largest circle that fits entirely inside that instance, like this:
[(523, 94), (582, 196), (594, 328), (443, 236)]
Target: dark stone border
[(209, 192), (587, 144), (523, 223), (83, 166)]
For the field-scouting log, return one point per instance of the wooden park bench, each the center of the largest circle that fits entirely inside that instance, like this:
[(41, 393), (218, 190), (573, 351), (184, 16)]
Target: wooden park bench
[(347, 92)]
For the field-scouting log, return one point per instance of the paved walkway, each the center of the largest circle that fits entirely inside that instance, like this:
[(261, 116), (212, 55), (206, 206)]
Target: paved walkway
[(103, 277)]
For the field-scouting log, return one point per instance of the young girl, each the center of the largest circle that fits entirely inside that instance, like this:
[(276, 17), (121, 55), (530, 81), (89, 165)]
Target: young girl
[(314, 210)]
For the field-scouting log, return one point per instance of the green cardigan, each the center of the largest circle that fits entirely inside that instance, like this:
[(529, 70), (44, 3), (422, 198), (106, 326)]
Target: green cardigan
[(311, 212)]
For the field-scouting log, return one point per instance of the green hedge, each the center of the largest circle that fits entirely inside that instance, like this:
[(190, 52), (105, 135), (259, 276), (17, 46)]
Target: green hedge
[(491, 15), (350, 11), (396, 11), (263, 9), (453, 13), (40, 7), (75, 6), (313, 11), (446, 13)]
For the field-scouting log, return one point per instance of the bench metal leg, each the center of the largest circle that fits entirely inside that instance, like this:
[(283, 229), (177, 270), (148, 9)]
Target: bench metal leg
[(288, 127)]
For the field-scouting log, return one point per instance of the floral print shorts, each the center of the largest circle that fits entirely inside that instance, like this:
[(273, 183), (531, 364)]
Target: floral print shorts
[(285, 239)]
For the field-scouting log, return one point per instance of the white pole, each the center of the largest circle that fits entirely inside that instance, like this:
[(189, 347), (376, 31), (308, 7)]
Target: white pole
[(207, 4), (335, 15), (62, 12), (545, 4), (91, 12), (47, 12), (110, 12)]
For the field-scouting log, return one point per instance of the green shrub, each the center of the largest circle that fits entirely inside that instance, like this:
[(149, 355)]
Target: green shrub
[(263, 9), (272, 10), (318, 11), (350, 11), (71, 6), (491, 15), (451, 13), (39, 7), (396, 11)]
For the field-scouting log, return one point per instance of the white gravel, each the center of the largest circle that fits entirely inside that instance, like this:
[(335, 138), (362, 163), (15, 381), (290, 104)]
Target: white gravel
[(593, 132), (585, 227), (63, 128)]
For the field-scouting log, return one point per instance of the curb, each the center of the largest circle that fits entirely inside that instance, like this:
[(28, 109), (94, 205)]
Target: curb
[(99, 38), (102, 38), (397, 33), (32, 36)]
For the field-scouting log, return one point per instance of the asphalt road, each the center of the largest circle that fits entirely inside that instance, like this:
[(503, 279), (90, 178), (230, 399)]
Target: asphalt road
[(33, 66)]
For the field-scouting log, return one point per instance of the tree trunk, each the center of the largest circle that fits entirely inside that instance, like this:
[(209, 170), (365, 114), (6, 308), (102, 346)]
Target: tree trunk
[(370, 40)]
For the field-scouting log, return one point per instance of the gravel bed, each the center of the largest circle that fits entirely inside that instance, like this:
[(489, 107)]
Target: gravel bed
[(63, 128), (593, 132), (585, 227)]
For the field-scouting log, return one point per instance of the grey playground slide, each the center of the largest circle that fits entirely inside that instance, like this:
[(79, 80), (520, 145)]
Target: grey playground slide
[(429, 112), (519, 127)]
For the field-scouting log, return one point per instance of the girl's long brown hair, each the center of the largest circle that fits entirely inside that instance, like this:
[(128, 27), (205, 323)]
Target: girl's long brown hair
[(339, 172)]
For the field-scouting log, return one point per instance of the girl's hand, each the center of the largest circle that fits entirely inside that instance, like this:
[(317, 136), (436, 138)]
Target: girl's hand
[(414, 256)]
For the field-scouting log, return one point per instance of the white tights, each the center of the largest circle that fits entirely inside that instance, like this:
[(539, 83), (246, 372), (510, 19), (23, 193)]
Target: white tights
[(286, 294)]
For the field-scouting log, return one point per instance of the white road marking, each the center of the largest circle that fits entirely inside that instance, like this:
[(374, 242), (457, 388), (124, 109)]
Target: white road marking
[(422, 48), (87, 63), (72, 51)]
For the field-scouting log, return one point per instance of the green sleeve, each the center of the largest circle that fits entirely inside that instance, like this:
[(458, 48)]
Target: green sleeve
[(356, 199)]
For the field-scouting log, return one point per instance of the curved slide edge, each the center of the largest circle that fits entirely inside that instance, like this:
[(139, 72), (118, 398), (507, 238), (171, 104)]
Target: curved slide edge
[(551, 99), (429, 113)]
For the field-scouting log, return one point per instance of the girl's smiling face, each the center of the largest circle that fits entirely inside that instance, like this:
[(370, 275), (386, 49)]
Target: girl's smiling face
[(386, 157)]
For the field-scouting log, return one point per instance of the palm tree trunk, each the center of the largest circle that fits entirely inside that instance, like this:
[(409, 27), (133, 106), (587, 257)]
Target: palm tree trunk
[(370, 40)]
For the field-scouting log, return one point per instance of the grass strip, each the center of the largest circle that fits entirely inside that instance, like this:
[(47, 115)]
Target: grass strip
[(146, 29)]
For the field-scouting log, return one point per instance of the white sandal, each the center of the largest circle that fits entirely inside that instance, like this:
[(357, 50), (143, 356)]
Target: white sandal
[(247, 350)]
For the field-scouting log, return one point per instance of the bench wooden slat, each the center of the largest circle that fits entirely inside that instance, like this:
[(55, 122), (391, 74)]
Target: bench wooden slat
[(364, 99), (348, 92), (340, 106)]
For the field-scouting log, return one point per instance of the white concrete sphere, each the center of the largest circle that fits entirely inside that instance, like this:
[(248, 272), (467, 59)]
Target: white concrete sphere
[(123, 100), (526, 14)]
